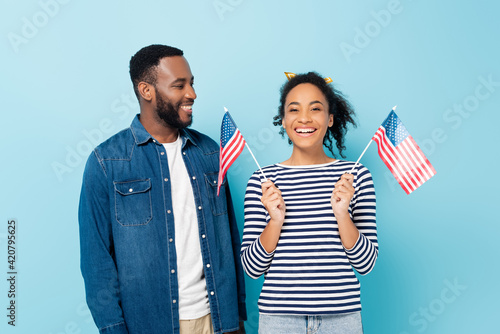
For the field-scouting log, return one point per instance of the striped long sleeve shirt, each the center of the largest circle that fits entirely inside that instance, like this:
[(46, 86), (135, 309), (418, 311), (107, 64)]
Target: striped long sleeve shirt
[(310, 272)]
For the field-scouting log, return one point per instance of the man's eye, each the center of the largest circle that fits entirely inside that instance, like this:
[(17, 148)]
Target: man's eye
[(293, 110)]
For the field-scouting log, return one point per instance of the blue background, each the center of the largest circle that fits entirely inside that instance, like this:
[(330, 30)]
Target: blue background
[(65, 87)]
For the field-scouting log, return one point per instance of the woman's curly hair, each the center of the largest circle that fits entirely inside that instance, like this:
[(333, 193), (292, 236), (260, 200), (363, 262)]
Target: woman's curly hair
[(342, 112)]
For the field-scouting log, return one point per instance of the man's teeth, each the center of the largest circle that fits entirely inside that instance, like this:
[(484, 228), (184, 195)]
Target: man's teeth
[(305, 130), (187, 107)]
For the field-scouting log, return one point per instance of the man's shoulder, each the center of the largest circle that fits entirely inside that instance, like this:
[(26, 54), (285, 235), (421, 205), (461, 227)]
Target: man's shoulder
[(201, 139), (117, 146)]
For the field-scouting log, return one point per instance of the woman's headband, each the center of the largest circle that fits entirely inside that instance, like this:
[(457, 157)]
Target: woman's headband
[(290, 75)]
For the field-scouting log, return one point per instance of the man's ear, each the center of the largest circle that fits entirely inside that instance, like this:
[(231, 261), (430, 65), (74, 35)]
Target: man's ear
[(146, 91)]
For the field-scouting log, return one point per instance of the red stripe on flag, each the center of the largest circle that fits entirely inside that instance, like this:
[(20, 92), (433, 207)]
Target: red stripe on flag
[(405, 169), (387, 150), (233, 147), (423, 159), (228, 155), (385, 155), (410, 161), (409, 167), (414, 160), (406, 162), (231, 158)]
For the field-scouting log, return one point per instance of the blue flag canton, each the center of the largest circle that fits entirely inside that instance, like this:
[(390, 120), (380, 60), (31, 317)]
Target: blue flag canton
[(227, 130), (395, 130)]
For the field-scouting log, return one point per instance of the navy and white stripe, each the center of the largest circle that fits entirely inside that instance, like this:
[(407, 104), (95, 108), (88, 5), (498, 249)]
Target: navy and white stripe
[(310, 272)]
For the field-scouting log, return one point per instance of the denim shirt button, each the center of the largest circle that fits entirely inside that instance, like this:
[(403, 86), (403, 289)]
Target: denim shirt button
[(172, 271), (168, 211), (208, 265), (212, 293), (194, 177), (170, 239), (174, 301), (183, 153), (199, 208), (162, 153), (165, 179), (203, 236)]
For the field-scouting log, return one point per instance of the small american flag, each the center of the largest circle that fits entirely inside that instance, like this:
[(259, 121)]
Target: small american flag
[(401, 154), (231, 145)]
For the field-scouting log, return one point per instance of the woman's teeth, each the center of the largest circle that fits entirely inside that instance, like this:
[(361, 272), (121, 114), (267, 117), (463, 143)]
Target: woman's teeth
[(305, 130)]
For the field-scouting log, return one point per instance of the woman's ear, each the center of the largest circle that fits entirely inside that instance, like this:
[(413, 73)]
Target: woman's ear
[(330, 121)]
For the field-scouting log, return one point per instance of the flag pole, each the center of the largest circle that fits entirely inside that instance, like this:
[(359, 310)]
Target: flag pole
[(246, 144), (352, 169), (265, 178), (371, 140)]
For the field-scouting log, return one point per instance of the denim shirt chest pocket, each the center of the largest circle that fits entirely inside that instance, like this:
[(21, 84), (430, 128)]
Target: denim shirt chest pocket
[(133, 202), (218, 203)]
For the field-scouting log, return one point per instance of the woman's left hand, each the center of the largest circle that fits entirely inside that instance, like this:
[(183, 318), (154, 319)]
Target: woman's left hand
[(342, 195)]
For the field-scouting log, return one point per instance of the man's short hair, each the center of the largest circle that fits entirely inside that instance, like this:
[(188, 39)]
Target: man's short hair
[(144, 64)]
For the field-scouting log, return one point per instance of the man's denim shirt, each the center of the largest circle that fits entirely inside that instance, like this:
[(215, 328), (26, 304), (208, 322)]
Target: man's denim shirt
[(127, 236)]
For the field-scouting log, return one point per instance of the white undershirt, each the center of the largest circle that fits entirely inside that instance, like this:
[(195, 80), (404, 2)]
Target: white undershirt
[(193, 297)]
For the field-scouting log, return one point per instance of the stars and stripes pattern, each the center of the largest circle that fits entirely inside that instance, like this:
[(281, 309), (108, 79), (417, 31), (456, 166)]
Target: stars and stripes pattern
[(231, 146), (402, 155)]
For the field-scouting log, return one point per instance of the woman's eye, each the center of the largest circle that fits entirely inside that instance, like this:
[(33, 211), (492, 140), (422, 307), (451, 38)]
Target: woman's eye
[(293, 110)]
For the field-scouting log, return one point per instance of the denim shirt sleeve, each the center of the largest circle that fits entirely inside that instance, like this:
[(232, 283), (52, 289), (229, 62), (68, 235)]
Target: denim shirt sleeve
[(236, 244), (96, 248)]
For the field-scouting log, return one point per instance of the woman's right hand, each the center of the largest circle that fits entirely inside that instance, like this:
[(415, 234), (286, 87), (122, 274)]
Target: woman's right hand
[(273, 202)]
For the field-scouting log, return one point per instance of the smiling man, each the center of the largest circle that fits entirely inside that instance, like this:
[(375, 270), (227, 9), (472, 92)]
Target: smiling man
[(159, 248)]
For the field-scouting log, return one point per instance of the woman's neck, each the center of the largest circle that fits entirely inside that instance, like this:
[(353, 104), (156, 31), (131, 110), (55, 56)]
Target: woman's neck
[(307, 157)]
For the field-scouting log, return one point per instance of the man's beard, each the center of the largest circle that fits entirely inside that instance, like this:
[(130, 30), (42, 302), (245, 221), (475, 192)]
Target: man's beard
[(170, 113)]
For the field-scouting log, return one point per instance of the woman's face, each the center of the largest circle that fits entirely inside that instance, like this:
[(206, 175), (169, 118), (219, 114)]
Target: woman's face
[(306, 118)]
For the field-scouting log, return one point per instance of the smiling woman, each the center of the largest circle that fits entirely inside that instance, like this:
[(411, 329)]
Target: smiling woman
[(306, 121), (310, 225), (336, 106)]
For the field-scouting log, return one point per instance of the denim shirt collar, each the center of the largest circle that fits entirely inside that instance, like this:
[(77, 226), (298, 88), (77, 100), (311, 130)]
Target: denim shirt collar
[(142, 136)]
